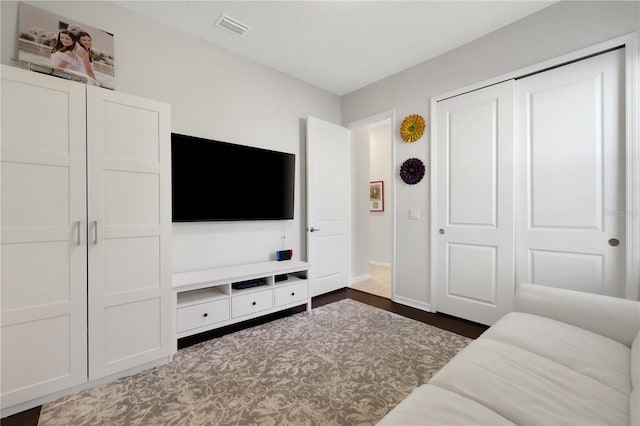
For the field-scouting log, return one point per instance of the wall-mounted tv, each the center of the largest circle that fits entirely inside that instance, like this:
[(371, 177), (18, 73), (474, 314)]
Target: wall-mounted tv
[(219, 181)]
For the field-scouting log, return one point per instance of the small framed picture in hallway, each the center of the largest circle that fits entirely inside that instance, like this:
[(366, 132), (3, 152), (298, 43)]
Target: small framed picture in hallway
[(376, 196)]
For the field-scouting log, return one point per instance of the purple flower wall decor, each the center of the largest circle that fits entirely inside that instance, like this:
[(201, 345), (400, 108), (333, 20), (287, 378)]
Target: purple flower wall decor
[(412, 171)]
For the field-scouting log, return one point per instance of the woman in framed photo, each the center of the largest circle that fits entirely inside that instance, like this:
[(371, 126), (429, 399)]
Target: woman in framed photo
[(64, 54), (83, 49)]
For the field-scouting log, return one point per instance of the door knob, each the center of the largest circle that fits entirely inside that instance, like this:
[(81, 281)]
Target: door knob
[(613, 242), (312, 229)]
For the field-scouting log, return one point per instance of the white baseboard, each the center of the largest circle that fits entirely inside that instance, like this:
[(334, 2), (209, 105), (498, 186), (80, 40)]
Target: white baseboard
[(384, 264), (413, 303), (358, 279)]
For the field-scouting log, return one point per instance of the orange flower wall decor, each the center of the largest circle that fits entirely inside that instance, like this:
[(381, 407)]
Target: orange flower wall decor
[(412, 128)]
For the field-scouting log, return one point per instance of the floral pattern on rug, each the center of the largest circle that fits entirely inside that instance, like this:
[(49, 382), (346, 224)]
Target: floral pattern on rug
[(345, 364)]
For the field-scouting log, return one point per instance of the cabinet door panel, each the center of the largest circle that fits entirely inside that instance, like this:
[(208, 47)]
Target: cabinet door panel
[(123, 338), (35, 273), (43, 234), (130, 216), (137, 198), (131, 264)]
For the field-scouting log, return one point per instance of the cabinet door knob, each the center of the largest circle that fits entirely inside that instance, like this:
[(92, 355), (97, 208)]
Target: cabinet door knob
[(205, 315), (293, 294), (253, 303)]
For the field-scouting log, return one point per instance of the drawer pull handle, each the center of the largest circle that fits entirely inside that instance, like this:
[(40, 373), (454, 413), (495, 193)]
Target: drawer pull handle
[(253, 303), (293, 294), (205, 315)]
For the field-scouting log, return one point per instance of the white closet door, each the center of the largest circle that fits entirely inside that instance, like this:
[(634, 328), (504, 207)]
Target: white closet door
[(129, 214), (474, 198), (571, 176), (44, 311)]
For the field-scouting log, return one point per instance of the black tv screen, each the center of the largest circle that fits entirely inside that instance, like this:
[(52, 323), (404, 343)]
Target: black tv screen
[(216, 181)]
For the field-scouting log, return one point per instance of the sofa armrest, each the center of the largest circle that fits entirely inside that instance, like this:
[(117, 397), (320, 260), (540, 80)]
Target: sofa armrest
[(617, 319)]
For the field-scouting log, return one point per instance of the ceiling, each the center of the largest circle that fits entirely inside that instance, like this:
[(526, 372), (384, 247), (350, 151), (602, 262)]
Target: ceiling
[(339, 46)]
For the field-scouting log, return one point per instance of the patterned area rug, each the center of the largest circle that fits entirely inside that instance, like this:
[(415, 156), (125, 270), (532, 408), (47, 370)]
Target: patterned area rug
[(348, 363)]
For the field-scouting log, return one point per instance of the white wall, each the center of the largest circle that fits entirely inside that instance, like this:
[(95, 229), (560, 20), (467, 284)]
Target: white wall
[(359, 221), (561, 28), (213, 94), (380, 224)]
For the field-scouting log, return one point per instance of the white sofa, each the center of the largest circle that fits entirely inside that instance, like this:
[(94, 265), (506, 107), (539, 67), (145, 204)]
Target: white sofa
[(563, 357)]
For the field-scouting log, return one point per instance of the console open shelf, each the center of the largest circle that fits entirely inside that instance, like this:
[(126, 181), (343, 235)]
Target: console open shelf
[(208, 294), (206, 299)]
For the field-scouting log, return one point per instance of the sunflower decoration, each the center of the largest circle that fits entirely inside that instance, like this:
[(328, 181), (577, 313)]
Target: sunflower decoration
[(412, 128), (412, 171)]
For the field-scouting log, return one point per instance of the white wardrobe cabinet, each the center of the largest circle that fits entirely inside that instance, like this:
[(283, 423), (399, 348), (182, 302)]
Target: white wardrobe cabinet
[(85, 233)]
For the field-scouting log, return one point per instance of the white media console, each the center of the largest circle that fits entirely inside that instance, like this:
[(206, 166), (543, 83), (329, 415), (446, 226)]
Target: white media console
[(207, 299)]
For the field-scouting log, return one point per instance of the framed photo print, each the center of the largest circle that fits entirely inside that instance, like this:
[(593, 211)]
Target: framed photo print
[(54, 41), (376, 196)]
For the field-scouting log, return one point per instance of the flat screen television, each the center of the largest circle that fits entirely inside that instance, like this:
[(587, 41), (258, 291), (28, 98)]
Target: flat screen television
[(220, 181)]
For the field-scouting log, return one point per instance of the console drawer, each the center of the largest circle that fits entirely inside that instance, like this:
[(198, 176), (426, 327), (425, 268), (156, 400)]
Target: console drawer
[(291, 293), (249, 303), (195, 316)]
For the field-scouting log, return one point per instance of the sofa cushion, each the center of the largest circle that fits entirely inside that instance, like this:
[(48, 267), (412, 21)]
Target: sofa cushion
[(526, 388), (599, 357), (431, 405)]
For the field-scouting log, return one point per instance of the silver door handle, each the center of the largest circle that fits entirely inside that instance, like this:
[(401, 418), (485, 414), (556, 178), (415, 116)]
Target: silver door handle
[(312, 229), (78, 226), (95, 232)]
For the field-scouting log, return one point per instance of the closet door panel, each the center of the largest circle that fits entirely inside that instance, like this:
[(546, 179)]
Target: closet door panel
[(571, 187), (480, 267), (43, 234), (581, 272), (472, 166), (473, 172), (130, 216), (566, 155)]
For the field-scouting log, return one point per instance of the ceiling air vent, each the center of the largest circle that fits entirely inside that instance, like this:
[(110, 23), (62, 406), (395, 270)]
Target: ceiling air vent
[(233, 25)]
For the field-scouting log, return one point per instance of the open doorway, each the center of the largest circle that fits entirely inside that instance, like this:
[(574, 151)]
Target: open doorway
[(372, 205)]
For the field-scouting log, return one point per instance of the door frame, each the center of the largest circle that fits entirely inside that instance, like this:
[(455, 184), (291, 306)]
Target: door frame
[(389, 114), (632, 147)]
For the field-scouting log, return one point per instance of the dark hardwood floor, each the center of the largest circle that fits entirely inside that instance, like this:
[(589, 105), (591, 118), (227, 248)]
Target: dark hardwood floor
[(445, 322)]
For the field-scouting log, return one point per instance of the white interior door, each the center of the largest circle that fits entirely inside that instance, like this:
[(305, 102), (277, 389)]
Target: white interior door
[(571, 176), (327, 208), (129, 231), (43, 233), (474, 265)]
